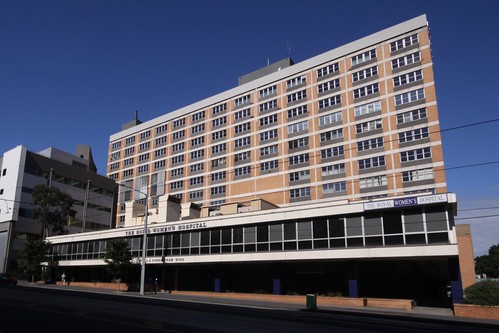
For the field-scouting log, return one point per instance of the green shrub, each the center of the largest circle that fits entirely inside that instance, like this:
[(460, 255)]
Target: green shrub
[(483, 293)]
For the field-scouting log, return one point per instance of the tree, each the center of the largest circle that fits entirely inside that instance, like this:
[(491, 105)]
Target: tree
[(118, 257), (483, 293), (35, 252), (53, 209), (488, 264)]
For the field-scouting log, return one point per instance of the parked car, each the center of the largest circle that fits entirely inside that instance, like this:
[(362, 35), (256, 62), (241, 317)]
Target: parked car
[(6, 279)]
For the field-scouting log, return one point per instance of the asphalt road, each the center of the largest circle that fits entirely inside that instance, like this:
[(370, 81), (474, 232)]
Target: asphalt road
[(25, 309)]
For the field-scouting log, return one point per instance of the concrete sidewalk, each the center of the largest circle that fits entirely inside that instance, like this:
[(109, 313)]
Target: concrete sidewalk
[(261, 301)]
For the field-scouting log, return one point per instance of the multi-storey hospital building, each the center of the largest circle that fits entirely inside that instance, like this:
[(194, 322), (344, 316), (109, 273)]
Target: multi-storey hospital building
[(325, 175)]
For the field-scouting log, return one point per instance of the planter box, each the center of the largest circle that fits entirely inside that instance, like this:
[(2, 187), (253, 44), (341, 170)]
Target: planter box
[(476, 311), (407, 304), (101, 285)]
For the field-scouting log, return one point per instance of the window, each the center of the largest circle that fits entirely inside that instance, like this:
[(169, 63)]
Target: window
[(246, 170), (161, 129), (298, 159), (297, 111), (197, 129), (298, 143), (145, 135), (412, 135), (161, 140), (130, 140), (296, 81), (365, 91), (365, 73), (219, 108), (370, 144), (300, 175), (219, 121), (177, 172), (128, 162), (268, 120), (178, 147), (372, 162), (196, 195), (268, 105), (218, 162), (363, 57), (269, 150), (367, 108), (129, 151), (411, 116), (415, 175), (334, 187), (178, 159), (160, 152), (407, 78), (218, 190), (416, 154), (197, 141), (145, 145), (116, 145), (242, 100), (333, 84), (128, 173), (330, 101), (197, 167), (179, 122), (196, 181), (404, 42), (178, 135), (242, 114), (369, 126), (406, 60), (298, 127), (198, 116), (242, 142), (410, 96), (268, 91), (197, 154), (177, 185), (218, 148), (218, 135), (330, 118), (332, 135), (244, 156), (144, 157), (115, 156), (269, 165), (159, 164), (332, 152), (114, 166), (372, 181), (242, 128), (218, 176), (297, 96), (333, 68), (268, 135), (334, 169), (299, 192)]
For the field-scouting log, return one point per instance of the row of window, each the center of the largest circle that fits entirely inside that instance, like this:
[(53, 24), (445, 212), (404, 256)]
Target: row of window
[(408, 227), (334, 134)]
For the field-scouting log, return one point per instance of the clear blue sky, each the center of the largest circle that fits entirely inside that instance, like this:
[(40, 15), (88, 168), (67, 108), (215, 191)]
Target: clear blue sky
[(72, 72)]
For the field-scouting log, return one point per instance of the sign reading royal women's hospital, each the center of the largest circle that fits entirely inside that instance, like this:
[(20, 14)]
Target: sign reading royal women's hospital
[(403, 202)]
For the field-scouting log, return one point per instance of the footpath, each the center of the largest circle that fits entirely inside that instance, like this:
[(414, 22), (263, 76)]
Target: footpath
[(264, 301)]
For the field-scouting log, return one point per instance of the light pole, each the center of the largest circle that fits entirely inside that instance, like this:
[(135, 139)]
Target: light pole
[(144, 240)]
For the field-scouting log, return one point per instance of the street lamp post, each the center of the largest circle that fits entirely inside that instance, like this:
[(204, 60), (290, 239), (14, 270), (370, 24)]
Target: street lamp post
[(144, 240)]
